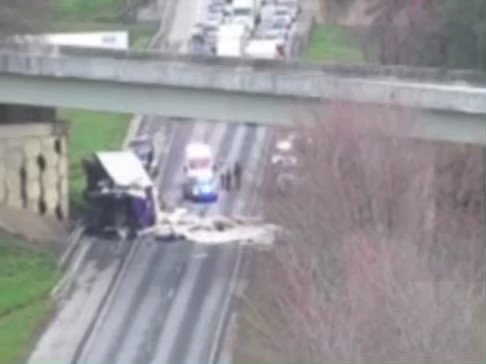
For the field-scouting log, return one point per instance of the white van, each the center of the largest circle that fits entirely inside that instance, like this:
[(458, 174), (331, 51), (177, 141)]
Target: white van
[(231, 40), (200, 182)]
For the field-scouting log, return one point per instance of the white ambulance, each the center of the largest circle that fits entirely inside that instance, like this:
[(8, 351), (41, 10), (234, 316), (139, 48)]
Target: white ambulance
[(200, 182)]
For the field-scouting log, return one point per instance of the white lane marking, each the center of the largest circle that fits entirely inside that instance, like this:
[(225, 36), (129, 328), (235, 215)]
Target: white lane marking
[(236, 148), (235, 153), (252, 170), (129, 277), (178, 310), (147, 310), (210, 311), (216, 137), (224, 310)]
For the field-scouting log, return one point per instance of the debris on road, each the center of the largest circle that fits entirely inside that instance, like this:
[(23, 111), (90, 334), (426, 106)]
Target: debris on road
[(182, 225)]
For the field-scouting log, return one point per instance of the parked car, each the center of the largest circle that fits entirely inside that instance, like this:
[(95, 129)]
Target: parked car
[(197, 44), (284, 154), (219, 2), (211, 37), (198, 30), (214, 17), (278, 30), (282, 20), (228, 10), (216, 8), (267, 13), (285, 11), (200, 45), (288, 3)]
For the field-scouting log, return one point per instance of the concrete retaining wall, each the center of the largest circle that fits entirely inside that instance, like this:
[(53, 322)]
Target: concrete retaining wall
[(34, 168)]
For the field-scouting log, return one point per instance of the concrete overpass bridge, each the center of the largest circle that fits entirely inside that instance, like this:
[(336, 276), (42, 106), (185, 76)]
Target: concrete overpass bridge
[(452, 104)]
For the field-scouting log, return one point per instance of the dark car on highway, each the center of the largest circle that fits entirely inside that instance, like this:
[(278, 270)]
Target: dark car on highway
[(146, 150)]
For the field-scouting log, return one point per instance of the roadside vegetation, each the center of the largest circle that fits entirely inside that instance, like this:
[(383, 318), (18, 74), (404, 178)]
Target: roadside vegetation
[(333, 43), (27, 275), (111, 11), (91, 131), (383, 255), (426, 33), (26, 278)]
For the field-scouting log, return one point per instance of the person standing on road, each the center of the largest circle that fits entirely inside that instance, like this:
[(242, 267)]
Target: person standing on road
[(222, 178), (228, 178), (237, 175)]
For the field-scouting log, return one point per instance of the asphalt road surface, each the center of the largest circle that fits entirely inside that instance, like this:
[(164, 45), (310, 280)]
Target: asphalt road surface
[(166, 306), (144, 301)]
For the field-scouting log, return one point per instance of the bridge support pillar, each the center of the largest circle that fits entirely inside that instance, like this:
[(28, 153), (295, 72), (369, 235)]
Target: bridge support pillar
[(33, 175)]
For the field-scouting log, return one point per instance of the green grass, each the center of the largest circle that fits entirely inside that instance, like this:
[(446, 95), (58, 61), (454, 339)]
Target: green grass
[(88, 10), (17, 329), (26, 278), (91, 131), (333, 44), (139, 34), (97, 15)]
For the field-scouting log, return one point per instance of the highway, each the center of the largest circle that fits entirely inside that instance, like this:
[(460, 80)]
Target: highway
[(167, 305), (151, 302)]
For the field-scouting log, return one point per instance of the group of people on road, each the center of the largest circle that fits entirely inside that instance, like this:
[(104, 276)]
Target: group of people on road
[(231, 176)]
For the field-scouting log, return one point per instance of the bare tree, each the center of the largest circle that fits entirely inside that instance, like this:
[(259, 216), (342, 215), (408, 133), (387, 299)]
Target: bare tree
[(22, 16), (381, 260)]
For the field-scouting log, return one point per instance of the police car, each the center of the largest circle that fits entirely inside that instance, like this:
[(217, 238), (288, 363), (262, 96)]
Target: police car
[(200, 182)]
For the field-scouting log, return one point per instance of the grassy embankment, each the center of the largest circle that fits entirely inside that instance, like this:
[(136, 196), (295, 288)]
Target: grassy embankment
[(91, 131), (334, 44), (26, 277)]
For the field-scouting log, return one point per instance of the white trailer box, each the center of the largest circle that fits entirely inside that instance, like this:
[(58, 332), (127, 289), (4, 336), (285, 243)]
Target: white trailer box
[(231, 40), (115, 40), (112, 40), (264, 48)]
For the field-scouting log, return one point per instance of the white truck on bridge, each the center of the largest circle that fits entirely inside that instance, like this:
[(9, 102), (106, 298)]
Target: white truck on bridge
[(231, 40), (113, 40), (264, 49)]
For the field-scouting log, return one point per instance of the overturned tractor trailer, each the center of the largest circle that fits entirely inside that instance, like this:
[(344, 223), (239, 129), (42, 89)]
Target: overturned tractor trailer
[(121, 196)]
